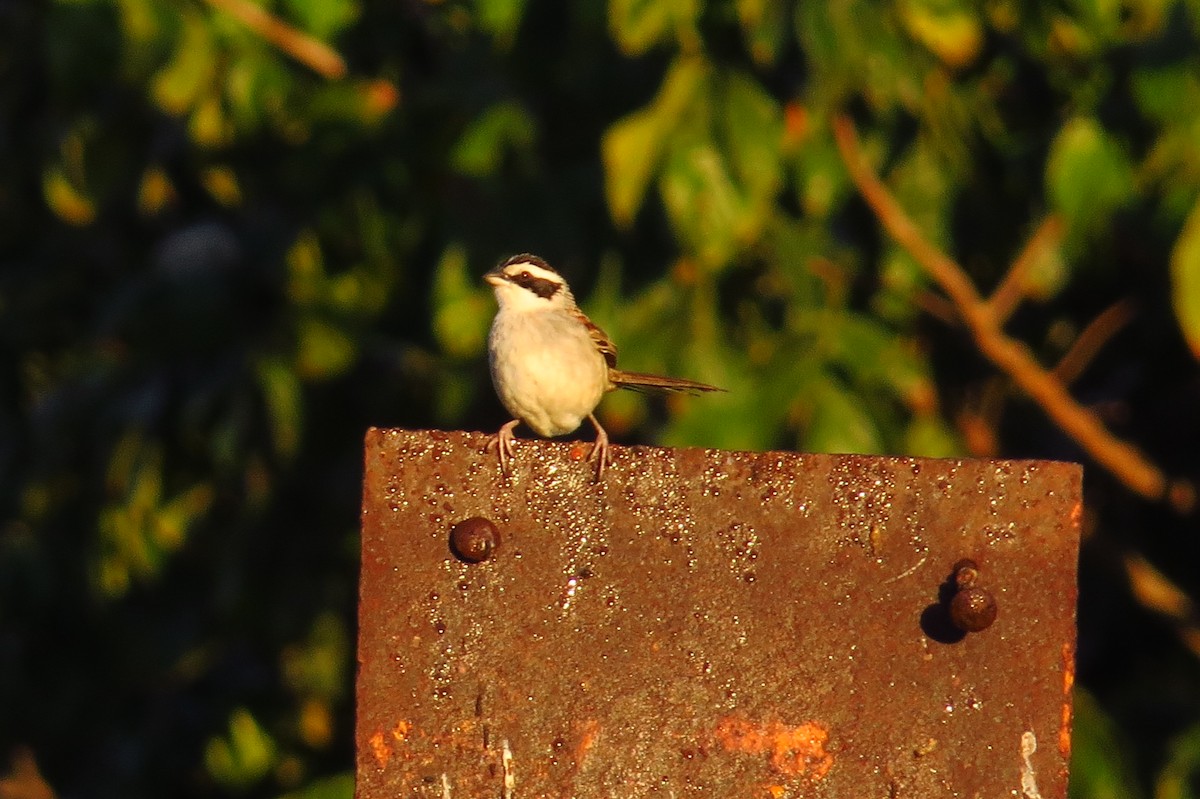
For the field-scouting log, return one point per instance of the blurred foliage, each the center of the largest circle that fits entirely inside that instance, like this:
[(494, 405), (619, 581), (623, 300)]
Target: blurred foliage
[(235, 234)]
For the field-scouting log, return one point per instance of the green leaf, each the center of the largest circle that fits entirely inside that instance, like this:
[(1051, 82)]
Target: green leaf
[(461, 306), (633, 147), (705, 207), (180, 85), (324, 18), (244, 757), (502, 128), (323, 350), (1168, 94), (764, 27), (840, 422), (639, 25), (928, 436), (281, 394), (753, 126), (501, 18), (1100, 759), (1185, 280), (339, 786), (1180, 777), (950, 30), (1088, 175)]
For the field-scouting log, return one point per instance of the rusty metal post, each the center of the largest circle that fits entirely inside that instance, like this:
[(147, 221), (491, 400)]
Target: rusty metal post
[(712, 624)]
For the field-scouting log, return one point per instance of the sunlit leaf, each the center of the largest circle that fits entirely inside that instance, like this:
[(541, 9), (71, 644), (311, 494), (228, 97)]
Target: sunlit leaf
[(324, 18), (242, 758), (753, 125), (1088, 175), (173, 519), (704, 205), (179, 85), (323, 350), (155, 191), (1185, 280), (633, 147), (638, 25), (950, 30), (68, 202), (222, 184), (208, 124)]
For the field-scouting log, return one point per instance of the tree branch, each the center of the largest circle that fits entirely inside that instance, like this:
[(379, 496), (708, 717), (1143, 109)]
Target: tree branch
[(1125, 461), (315, 54), (1008, 294)]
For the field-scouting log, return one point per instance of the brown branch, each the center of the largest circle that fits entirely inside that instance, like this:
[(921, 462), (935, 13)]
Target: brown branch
[(317, 55), (1008, 294), (1092, 340), (1125, 461)]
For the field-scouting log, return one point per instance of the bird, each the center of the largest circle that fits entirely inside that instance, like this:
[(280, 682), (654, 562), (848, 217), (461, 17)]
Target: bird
[(550, 364)]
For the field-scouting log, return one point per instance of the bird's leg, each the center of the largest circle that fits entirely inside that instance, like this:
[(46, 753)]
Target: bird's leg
[(600, 448), (503, 444)]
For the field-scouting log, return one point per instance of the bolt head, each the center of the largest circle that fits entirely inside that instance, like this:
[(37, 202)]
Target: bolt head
[(973, 609), (474, 540)]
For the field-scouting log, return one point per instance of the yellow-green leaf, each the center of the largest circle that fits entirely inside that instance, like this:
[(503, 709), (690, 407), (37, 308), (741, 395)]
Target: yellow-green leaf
[(950, 30), (638, 25), (1185, 280), (1088, 175), (633, 148)]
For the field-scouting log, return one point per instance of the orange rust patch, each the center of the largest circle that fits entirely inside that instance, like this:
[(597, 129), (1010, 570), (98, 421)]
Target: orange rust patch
[(401, 730), (579, 451), (1064, 728), (587, 739), (793, 751), (381, 750)]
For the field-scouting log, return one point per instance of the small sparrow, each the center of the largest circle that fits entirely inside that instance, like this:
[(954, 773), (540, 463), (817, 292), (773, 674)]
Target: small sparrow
[(550, 364)]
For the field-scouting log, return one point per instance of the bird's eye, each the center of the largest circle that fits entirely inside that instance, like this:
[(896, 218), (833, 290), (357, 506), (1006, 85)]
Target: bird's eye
[(525, 275)]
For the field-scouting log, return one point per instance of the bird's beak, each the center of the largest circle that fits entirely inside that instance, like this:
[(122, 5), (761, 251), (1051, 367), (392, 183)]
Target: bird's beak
[(494, 278)]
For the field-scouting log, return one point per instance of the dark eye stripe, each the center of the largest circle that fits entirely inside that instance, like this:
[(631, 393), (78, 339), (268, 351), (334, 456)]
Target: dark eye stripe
[(538, 285)]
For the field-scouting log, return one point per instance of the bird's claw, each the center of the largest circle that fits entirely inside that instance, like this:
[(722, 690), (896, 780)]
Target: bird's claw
[(502, 442)]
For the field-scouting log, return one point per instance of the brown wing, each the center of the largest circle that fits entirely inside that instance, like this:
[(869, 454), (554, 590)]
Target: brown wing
[(599, 337)]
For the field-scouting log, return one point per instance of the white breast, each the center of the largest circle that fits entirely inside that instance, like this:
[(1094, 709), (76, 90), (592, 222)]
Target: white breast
[(546, 369)]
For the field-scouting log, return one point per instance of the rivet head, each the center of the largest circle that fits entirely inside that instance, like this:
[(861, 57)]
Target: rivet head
[(973, 609), (966, 572), (474, 540)]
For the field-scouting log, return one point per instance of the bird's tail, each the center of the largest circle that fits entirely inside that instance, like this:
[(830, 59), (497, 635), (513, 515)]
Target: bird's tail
[(654, 383)]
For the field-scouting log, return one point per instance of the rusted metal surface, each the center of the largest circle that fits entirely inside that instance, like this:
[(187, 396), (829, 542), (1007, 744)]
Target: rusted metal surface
[(711, 624)]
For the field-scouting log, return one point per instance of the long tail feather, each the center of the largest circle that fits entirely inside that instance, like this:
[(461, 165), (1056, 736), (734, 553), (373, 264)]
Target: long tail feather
[(654, 383)]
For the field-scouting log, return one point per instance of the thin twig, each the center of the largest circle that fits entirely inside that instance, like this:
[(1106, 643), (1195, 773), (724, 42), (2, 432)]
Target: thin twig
[(317, 55), (1008, 294), (1092, 340), (1125, 461)]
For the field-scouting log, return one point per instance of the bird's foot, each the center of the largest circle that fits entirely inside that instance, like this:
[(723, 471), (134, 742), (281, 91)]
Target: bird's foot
[(600, 448), (502, 442)]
